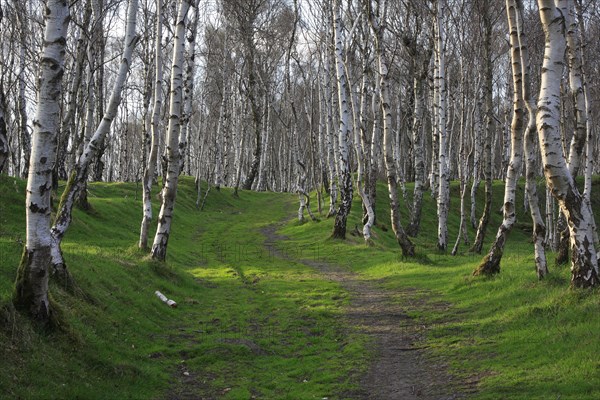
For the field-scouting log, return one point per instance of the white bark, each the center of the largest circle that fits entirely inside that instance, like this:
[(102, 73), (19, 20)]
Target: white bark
[(188, 88), (378, 30), (165, 217), (329, 140), (31, 289), (584, 263), (4, 148), (491, 263), (345, 177), (530, 149), (155, 126), (360, 143), (443, 198), (79, 176)]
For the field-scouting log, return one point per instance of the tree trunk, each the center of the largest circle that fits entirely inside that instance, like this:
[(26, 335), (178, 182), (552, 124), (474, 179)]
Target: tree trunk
[(169, 192), (530, 148), (78, 177), (584, 263), (443, 199), (491, 262), (344, 175), (490, 130), (23, 18), (4, 148), (188, 88), (418, 151), (155, 126), (31, 287), (407, 246)]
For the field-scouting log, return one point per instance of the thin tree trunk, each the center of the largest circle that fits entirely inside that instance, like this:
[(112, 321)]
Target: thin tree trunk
[(169, 192), (155, 126), (345, 177), (31, 287), (490, 131), (531, 149), (375, 21), (23, 17), (188, 88), (491, 262), (443, 199), (4, 148), (418, 151), (78, 178)]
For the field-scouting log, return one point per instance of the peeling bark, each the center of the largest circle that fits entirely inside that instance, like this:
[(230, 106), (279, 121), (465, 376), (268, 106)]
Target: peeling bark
[(402, 238), (344, 175), (169, 192), (31, 287), (150, 169), (491, 263), (78, 178), (584, 263)]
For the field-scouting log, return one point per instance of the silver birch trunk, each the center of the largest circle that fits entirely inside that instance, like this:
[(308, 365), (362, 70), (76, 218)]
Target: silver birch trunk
[(584, 263), (360, 143), (78, 178), (188, 89), (329, 141), (443, 198), (407, 246), (477, 151), (218, 143), (31, 287), (491, 262), (344, 175), (4, 148), (169, 192), (418, 151), (462, 170), (150, 169), (531, 149), (489, 130), (23, 17)]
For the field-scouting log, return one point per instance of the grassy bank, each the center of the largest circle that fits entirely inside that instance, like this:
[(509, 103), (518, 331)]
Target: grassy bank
[(251, 325)]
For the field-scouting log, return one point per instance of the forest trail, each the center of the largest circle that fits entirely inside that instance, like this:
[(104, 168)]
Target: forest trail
[(399, 369)]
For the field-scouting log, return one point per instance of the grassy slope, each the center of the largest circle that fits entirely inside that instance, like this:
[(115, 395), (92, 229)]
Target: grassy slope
[(249, 324), (516, 336)]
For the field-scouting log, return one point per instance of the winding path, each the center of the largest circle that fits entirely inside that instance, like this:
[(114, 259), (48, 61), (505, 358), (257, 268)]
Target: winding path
[(400, 369)]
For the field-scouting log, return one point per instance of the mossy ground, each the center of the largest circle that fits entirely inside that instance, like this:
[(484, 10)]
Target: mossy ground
[(250, 324)]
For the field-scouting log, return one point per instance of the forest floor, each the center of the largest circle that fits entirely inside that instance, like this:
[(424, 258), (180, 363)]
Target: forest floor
[(271, 308), (398, 368)]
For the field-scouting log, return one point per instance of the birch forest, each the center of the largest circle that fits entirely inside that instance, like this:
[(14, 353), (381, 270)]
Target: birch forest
[(370, 199), (318, 99)]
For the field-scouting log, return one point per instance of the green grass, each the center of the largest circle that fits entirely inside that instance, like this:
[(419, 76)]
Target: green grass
[(513, 335), (250, 324), (246, 323)]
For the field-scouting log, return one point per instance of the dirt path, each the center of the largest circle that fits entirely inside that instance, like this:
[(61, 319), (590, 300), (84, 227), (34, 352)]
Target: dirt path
[(399, 369)]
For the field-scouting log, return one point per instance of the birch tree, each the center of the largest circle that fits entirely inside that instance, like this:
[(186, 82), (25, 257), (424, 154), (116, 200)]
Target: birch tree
[(4, 148), (31, 287), (376, 11), (78, 178), (531, 149), (584, 263), (23, 19), (443, 199), (149, 171), (169, 192), (488, 77), (491, 262), (344, 175)]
